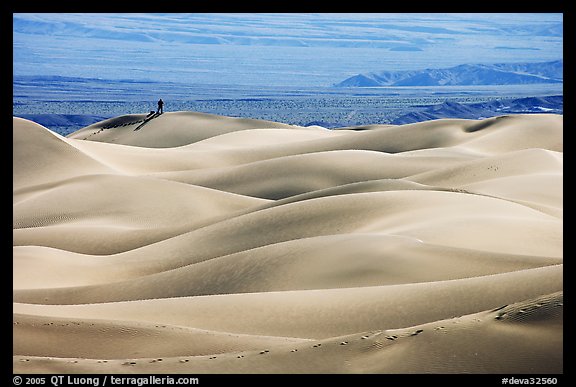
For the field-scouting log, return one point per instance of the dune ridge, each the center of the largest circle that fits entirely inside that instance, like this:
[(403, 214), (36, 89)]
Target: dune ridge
[(195, 243)]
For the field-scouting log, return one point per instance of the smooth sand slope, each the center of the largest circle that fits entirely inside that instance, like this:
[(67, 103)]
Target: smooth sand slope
[(195, 243)]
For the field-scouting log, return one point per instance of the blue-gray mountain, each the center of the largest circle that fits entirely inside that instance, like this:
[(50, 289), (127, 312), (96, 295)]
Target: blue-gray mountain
[(449, 109), (50, 120), (63, 124), (464, 75)]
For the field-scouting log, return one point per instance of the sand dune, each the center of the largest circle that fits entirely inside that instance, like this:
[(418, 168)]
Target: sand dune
[(501, 340), (167, 131), (194, 243)]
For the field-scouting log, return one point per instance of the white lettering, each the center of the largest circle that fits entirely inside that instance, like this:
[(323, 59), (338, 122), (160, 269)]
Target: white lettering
[(75, 380)]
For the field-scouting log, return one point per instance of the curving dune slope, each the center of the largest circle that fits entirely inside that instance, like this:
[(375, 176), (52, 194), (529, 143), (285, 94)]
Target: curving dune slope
[(194, 243)]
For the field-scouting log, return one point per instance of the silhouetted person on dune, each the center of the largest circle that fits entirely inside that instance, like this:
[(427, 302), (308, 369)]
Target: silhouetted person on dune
[(160, 109)]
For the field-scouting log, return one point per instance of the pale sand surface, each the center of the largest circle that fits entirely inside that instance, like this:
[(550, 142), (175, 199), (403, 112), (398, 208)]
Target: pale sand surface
[(196, 243)]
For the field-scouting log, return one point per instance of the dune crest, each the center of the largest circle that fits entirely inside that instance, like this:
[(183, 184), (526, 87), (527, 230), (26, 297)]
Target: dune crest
[(210, 244)]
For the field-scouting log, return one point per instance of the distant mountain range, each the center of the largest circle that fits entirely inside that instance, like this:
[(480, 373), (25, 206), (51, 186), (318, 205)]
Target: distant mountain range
[(529, 105), (464, 75), (50, 120), (63, 124)]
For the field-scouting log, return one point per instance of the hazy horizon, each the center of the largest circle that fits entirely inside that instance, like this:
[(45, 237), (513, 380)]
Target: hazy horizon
[(273, 49)]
